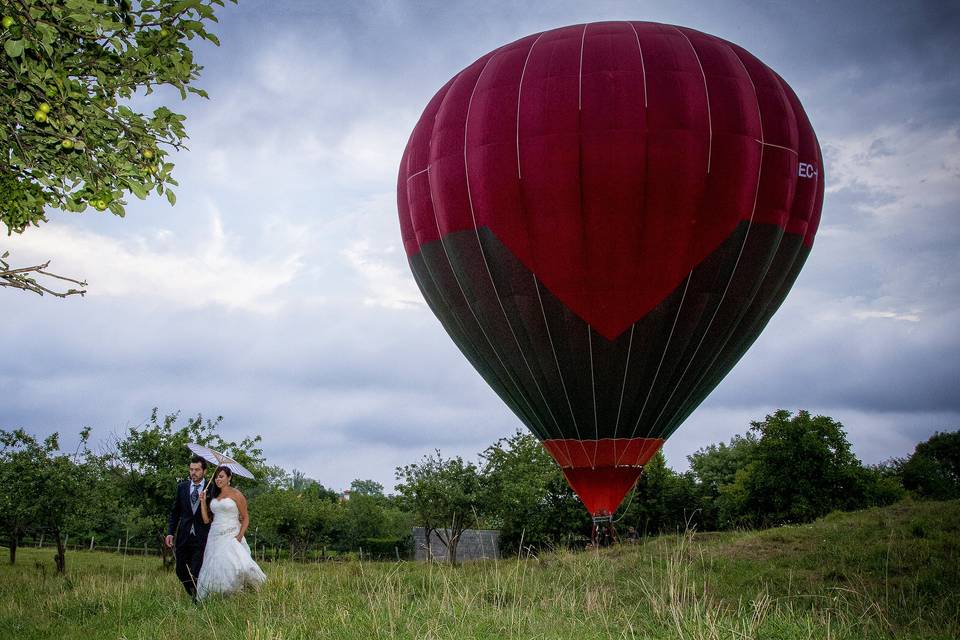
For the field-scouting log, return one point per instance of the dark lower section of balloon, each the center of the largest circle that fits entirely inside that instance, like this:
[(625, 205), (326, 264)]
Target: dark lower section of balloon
[(565, 381)]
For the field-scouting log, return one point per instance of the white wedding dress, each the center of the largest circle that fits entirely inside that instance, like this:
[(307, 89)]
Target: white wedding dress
[(227, 564)]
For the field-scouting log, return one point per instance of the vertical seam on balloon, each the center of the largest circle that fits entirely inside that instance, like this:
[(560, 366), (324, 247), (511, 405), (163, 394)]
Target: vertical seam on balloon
[(643, 67), (563, 385), (723, 295), (593, 389), (666, 348), (706, 92), (583, 38), (623, 388), (584, 251), (483, 255), (763, 144), (519, 94), (523, 209)]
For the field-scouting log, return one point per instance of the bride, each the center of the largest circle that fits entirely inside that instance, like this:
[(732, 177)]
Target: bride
[(227, 565)]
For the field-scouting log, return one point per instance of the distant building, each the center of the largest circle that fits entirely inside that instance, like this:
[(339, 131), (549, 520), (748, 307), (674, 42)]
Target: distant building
[(475, 544)]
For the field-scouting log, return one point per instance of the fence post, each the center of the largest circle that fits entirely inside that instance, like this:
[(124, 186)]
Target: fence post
[(40, 544), (91, 543), (397, 551), (66, 541), (118, 544)]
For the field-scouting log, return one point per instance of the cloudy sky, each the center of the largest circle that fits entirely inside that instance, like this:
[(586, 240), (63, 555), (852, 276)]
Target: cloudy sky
[(276, 292)]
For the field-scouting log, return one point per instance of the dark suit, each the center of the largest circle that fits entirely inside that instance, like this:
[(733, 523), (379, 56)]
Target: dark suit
[(190, 535)]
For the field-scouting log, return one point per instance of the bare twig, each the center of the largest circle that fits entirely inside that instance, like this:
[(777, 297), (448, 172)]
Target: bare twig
[(20, 278)]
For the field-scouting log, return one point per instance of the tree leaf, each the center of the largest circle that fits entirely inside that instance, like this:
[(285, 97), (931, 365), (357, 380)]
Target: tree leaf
[(14, 48), (138, 190)]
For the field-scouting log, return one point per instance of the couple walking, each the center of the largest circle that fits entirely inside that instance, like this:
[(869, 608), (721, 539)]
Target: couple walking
[(205, 529)]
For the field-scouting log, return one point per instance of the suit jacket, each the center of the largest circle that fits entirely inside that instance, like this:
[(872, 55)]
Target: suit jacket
[(182, 517)]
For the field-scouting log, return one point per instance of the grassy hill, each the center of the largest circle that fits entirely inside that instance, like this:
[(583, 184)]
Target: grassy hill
[(880, 573)]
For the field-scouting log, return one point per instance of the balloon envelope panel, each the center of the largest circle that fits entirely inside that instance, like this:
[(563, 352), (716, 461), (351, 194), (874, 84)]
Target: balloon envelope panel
[(604, 217)]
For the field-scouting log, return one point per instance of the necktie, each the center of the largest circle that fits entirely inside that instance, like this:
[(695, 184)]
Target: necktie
[(194, 496)]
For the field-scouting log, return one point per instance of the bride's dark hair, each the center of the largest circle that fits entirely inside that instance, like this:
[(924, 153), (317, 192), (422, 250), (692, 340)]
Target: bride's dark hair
[(215, 490)]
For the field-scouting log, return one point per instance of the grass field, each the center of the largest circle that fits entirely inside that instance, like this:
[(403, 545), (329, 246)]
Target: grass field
[(881, 573)]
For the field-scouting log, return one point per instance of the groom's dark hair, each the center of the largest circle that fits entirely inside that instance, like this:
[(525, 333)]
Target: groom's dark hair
[(201, 461)]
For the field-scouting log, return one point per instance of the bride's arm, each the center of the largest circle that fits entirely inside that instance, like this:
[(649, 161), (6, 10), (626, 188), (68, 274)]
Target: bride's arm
[(203, 507), (244, 516)]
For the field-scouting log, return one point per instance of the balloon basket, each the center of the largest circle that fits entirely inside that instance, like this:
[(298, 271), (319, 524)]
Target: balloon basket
[(603, 533)]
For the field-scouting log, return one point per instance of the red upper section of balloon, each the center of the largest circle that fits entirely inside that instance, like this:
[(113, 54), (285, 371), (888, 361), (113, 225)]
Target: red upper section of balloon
[(611, 159)]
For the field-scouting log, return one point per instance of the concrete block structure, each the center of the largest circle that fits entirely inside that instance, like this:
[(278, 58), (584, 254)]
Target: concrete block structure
[(475, 544)]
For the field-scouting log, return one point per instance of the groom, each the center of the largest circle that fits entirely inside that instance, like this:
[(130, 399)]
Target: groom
[(186, 523)]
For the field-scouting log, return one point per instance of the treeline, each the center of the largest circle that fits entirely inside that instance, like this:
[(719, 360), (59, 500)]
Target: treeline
[(785, 469), (124, 493)]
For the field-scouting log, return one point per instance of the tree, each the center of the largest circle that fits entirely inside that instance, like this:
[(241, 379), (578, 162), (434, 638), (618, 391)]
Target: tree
[(298, 517), (527, 497), (933, 471), (366, 488), (716, 466), (364, 514), (662, 499), (444, 495), (45, 489), (802, 469), (363, 518), (21, 458), (69, 134), (61, 492)]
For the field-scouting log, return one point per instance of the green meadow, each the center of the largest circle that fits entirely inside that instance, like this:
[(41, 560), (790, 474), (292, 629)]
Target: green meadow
[(890, 572)]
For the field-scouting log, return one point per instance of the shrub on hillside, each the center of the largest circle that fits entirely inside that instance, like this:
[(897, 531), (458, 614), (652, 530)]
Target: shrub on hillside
[(802, 469), (933, 471)]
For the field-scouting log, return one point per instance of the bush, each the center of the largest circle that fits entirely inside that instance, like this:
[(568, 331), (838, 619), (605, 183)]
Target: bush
[(802, 469), (387, 547), (933, 471)]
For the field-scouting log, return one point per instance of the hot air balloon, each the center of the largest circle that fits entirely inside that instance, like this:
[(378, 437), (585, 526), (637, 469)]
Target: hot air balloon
[(604, 217)]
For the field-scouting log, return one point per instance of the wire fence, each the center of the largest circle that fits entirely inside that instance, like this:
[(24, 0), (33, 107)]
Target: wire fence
[(260, 552)]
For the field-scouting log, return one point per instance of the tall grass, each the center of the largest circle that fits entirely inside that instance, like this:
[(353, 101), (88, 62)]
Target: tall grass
[(891, 572)]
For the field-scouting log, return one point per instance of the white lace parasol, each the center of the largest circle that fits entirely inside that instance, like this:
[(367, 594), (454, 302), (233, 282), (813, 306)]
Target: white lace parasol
[(215, 457)]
